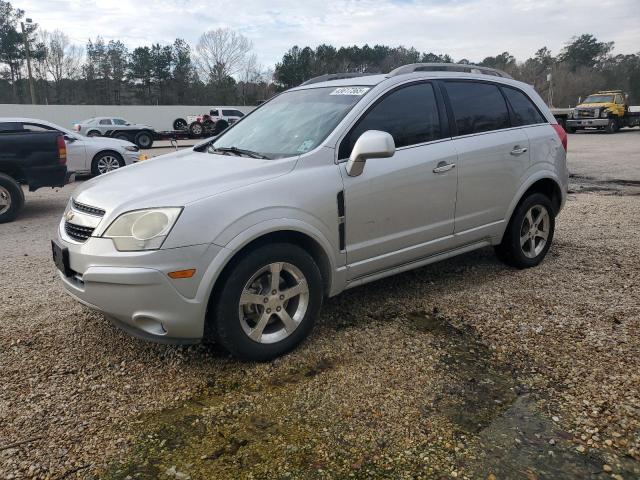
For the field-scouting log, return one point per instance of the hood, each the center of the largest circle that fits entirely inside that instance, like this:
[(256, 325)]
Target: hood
[(176, 179), (108, 142)]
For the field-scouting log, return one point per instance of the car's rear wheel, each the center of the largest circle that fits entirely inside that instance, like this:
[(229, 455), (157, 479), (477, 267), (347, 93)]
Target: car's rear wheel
[(144, 140), (268, 303), (529, 234), (94, 133), (106, 162), (221, 126), (11, 198)]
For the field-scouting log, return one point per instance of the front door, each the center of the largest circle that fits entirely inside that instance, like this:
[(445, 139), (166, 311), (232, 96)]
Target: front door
[(401, 208)]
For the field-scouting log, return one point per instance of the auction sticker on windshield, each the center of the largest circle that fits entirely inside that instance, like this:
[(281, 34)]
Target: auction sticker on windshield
[(353, 91)]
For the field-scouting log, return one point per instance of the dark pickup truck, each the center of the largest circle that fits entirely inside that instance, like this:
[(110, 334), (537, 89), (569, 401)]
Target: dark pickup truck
[(34, 159)]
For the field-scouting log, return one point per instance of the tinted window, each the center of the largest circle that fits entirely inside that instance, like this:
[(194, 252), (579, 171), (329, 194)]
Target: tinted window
[(105, 121), (32, 127), (230, 113), (524, 111), (9, 127), (477, 107), (119, 121), (213, 113), (409, 114)]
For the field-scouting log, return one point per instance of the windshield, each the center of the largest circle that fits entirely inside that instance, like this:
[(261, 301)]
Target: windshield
[(292, 123), (599, 99)]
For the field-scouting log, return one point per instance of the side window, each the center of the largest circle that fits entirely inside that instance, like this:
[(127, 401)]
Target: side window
[(214, 113), (105, 121), (119, 121), (239, 113), (229, 113), (32, 127), (409, 114), (524, 111), (477, 107), (619, 100)]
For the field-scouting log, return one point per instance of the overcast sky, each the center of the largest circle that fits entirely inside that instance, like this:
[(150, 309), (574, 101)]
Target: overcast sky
[(471, 29)]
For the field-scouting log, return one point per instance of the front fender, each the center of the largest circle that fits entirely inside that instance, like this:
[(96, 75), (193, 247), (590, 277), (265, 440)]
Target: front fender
[(231, 247)]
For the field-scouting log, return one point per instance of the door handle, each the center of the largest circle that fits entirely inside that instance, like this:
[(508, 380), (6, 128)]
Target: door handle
[(444, 167), (518, 150)]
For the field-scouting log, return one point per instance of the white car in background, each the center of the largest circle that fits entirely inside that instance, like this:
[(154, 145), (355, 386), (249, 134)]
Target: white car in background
[(85, 155), (115, 127)]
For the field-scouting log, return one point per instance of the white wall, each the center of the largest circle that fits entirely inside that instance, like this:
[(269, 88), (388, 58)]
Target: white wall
[(160, 117)]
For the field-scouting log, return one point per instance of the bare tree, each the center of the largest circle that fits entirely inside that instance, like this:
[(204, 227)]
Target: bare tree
[(61, 60), (222, 53)]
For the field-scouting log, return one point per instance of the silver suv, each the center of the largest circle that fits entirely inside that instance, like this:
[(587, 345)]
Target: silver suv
[(327, 186)]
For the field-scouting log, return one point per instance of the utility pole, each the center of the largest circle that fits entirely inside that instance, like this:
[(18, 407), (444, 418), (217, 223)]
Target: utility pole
[(26, 49)]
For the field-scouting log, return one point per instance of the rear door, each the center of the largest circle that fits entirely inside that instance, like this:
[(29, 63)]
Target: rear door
[(399, 209), (492, 157)]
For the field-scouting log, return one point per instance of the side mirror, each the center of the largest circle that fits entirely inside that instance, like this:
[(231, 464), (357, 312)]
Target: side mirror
[(371, 144)]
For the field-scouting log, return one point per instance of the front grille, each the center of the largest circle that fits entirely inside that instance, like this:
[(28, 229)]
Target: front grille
[(77, 232), (80, 207), (587, 113)]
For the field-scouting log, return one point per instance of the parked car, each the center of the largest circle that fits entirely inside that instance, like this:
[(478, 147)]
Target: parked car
[(34, 159), (85, 155), (213, 123), (141, 135), (326, 187)]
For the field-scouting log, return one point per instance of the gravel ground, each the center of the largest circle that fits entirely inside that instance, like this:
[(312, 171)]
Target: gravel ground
[(463, 369)]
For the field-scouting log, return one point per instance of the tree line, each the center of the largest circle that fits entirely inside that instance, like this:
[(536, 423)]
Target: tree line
[(223, 69)]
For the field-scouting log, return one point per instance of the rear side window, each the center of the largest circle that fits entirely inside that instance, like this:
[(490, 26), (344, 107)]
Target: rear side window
[(105, 121), (32, 127), (231, 113), (119, 121), (409, 114), (524, 111), (477, 107)]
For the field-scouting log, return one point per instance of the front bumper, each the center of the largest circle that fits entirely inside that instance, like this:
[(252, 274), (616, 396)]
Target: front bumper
[(134, 290), (588, 122), (132, 157)]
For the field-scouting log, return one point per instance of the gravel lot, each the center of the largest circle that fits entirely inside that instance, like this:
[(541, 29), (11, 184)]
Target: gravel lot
[(463, 369)]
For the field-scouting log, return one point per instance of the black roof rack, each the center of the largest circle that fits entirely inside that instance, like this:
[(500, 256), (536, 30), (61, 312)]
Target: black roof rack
[(335, 76), (448, 67)]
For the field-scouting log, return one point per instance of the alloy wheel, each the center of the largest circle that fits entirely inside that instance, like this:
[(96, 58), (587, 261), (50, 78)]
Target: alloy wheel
[(273, 302), (108, 163), (534, 231)]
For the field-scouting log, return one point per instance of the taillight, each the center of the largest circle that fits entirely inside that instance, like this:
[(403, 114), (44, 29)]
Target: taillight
[(561, 134), (62, 151)]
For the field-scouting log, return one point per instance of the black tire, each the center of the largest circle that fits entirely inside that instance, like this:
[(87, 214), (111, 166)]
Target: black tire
[(11, 198), (95, 164), (225, 317), (179, 124), (144, 140), (93, 133), (510, 250), (221, 126), (612, 126), (196, 129)]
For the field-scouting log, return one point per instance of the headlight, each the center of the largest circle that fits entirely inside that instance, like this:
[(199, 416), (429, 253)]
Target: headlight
[(142, 229), (131, 148)]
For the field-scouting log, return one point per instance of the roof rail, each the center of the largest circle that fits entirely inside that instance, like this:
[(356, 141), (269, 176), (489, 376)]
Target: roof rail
[(448, 67), (335, 76)]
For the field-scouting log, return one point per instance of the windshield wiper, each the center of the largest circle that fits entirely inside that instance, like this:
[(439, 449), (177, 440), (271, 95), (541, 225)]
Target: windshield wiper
[(240, 151)]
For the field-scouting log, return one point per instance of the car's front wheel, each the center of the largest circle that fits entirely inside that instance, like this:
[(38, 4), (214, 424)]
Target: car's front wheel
[(268, 302), (106, 162), (144, 140), (529, 234)]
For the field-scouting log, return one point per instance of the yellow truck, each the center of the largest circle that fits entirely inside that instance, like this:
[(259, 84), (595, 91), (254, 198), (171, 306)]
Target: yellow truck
[(607, 110)]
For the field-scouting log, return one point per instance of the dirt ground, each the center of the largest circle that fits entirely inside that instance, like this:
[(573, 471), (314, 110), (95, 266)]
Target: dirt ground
[(463, 369)]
